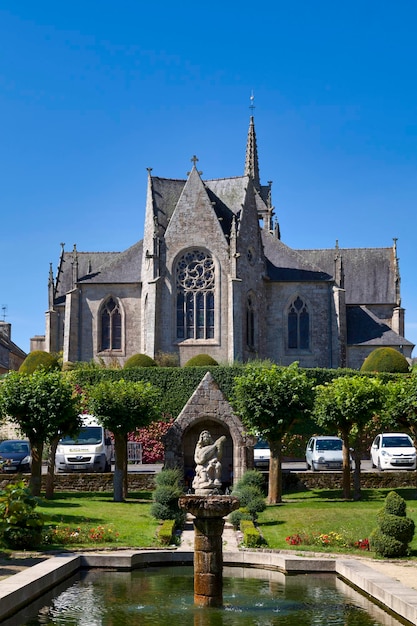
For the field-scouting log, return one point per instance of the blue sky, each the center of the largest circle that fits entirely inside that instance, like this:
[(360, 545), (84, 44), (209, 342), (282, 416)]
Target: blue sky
[(94, 92)]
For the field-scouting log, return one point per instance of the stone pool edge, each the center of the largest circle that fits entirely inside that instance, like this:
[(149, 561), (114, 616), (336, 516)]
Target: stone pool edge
[(20, 589)]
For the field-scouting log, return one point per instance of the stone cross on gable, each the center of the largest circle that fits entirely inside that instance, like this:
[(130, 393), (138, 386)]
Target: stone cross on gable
[(194, 160)]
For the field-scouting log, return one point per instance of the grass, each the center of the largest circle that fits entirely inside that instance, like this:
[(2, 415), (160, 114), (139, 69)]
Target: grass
[(307, 513), (87, 519), (321, 512)]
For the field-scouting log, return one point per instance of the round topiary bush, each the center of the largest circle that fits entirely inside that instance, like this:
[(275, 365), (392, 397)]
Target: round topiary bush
[(39, 359), (394, 531), (385, 360), (139, 360), (200, 359)]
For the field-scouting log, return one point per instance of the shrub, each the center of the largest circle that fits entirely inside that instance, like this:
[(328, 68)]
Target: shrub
[(385, 360), (139, 360), (236, 517), (167, 359), (20, 525), (39, 359), (165, 497), (251, 535), (395, 504), (253, 478), (250, 494), (199, 360), (395, 531), (166, 532)]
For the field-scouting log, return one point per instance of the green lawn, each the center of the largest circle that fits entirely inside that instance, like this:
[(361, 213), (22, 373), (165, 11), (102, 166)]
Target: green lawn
[(315, 512), (104, 523), (100, 520)]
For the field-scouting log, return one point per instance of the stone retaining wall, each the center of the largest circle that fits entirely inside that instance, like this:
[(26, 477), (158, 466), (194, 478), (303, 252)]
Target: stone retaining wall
[(291, 481)]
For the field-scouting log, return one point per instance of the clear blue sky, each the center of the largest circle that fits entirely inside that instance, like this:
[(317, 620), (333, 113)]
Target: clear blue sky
[(94, 92)]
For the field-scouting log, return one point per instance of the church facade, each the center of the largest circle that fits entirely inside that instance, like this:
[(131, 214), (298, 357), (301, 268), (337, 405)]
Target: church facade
[(212, 275)]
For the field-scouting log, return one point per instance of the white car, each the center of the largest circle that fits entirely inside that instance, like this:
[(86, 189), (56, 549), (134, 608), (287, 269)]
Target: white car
[(393, 451), (261, 455), (324, 452)]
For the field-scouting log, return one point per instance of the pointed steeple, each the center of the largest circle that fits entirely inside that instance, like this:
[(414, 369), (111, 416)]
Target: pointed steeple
[(251, 162)]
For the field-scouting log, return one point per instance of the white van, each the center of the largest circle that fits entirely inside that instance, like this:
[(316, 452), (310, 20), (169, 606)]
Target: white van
[(88, 451)]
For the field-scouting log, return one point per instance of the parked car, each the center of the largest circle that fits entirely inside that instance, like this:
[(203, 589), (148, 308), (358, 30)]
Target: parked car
[(393, 451), (261, 454), (15, 456), (324, 452)]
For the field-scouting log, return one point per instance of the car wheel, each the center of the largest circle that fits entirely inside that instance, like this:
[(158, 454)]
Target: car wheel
[(308, 466), (380, 469), (313, 467)]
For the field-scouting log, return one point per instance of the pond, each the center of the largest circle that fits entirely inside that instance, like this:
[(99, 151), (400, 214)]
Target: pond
[(164, 595)]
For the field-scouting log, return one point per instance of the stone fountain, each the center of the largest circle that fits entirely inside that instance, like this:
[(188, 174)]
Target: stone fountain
[(209, 508)]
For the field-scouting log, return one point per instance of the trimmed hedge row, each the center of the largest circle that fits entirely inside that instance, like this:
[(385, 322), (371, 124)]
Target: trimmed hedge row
[(166, 532)]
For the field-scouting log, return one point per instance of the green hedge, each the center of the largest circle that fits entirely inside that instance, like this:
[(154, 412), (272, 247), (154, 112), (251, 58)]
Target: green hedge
[(166, 532), (251, 535)]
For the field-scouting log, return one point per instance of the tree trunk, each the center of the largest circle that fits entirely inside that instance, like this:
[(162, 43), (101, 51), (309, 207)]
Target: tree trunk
[(346, 467), (50, 476), (275, 473), (35, 481), (120, 467)]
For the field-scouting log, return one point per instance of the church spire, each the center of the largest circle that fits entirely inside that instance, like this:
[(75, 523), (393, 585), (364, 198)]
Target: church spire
[(251, 162)]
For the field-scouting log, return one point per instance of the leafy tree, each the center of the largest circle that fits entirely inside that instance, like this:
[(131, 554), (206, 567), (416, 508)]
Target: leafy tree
[(122, 406), (401, 404), (269, 400), (45, 407), (347, 404)]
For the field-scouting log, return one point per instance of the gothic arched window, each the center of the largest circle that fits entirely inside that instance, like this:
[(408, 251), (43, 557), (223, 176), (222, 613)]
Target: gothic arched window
[(298, 325), (111, 326), (195, 295), (250, 323)]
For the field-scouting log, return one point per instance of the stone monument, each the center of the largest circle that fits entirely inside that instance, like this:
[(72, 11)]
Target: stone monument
[(208, 507)]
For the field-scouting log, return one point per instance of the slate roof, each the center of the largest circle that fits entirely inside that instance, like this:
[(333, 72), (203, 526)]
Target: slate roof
[(285, 264), (365, 328), (369, 273)]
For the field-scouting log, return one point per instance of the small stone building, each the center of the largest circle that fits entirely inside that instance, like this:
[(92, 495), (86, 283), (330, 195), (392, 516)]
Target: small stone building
[(11, 356), (208, 409)]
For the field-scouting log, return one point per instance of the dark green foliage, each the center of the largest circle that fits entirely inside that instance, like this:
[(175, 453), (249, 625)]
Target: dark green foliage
[(236, 517), (20, 525), (385, 360), (253, 478), (395, 531), (387, 546), (139, 360), (200, 360), (165, 497), (39, 359), (250, 495), (395, 504), (401, 528)]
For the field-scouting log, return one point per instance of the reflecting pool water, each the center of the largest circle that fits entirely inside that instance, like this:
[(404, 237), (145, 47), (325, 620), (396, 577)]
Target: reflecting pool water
[(161, 596)]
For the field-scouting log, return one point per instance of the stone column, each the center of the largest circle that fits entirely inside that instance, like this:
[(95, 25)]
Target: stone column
[(209, 512)]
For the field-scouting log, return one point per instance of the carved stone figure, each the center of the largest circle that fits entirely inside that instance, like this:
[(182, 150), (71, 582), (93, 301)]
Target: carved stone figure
[(207, 456)]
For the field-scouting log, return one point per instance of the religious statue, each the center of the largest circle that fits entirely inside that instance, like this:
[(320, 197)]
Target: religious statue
[(207, 456)]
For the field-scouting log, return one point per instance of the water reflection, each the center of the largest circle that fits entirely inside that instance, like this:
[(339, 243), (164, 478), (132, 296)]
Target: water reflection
[(160, 596)]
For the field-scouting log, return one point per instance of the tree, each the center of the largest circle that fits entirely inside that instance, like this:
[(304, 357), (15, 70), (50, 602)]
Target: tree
[(122, 406), (269, 400), (347, 404), (45, 407), (401, 404)]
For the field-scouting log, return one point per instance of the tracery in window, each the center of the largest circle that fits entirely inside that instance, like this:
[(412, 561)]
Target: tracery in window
[(111, 326), (298, 325), (250, 323), (195, 295)]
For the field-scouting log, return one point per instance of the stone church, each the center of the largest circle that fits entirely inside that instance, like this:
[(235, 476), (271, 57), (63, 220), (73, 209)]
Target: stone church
[(212, 275)]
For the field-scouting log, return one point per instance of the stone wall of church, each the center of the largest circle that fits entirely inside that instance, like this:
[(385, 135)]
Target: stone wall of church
[(89, 323), (322, 324)]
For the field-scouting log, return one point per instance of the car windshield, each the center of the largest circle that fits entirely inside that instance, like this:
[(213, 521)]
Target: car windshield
[(329, 444), (14, 447), (261, 444), (90, 435), (396, 442)]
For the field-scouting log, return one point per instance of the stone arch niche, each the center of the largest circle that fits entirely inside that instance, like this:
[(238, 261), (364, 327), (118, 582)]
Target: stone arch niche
[(208, 409)]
